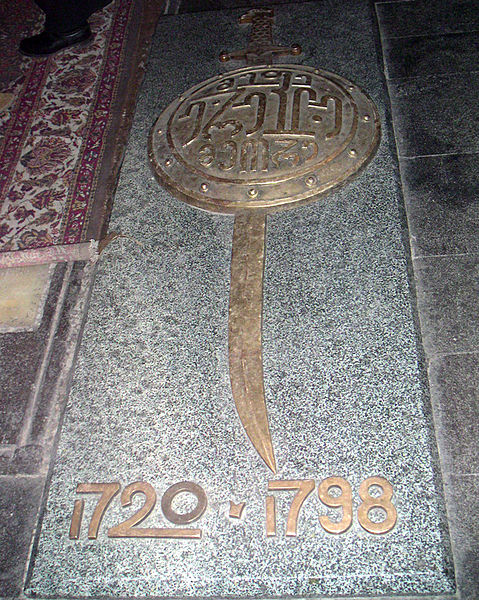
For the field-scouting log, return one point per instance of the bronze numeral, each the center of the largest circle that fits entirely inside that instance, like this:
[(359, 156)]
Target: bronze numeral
[(334, 492), (304, 487), (127, 528), (344, 501), (76, 519), (383, 502), (107, 491)]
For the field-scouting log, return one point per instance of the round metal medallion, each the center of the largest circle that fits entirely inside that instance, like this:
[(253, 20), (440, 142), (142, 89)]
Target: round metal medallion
[(263, 138)]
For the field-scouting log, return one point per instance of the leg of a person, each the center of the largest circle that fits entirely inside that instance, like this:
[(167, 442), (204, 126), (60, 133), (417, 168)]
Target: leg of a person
[(67, 15), (65, 25)]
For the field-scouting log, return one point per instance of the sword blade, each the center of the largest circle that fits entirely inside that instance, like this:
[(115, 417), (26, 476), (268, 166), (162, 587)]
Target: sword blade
[(245, 320)]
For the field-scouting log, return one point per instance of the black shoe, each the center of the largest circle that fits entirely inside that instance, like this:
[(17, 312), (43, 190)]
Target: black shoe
[(48, 43)]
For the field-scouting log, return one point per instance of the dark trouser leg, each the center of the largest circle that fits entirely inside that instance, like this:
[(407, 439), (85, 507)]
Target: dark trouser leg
[(66, 25), (66, 15)]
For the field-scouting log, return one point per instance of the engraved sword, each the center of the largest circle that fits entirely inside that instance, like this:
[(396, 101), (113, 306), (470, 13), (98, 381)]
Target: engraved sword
[(247, 268), (250, 141)]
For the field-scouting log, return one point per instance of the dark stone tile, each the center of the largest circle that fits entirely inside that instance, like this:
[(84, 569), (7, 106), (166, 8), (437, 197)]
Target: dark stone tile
[(26, 460), (437, 114), (19, 501), (447, 293), (66, 337), (189, 6), (463, 507), (319, 43), (454, 383), (32, 455), (442, 202), (423, 17), (431, 55), (21, 355)]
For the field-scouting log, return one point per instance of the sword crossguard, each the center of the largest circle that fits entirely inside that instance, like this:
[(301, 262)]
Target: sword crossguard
[(260, 48)]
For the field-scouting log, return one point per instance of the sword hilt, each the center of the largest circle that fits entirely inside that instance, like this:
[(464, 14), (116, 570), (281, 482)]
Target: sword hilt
[(261, 32), (260, 48)]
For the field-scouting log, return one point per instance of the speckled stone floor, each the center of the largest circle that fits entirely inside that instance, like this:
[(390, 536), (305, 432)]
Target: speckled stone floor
[(429, 58)]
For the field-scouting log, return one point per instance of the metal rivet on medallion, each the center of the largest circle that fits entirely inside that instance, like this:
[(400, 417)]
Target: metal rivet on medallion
[(204, 187), (252, 192)]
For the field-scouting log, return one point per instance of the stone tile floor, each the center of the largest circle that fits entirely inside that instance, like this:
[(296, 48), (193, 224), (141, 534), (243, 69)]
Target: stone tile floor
[(430, 52)]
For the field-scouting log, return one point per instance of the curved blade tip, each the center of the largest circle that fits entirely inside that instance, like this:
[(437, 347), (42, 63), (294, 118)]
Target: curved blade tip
[(267, 454)]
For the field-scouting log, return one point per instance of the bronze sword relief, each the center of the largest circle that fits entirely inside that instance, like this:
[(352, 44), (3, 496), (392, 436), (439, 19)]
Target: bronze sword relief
[(261, 49), (248, 142)]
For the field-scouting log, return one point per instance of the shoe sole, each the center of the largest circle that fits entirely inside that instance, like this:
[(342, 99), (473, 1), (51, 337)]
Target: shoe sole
[(80, 44)]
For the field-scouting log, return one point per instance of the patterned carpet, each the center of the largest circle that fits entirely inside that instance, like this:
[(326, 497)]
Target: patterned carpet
[(63, 134)]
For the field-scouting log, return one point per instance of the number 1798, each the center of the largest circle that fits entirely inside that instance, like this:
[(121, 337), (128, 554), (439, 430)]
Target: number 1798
[(335, 492)]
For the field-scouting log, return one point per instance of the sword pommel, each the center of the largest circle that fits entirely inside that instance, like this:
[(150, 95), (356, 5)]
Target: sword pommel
[(261, 48), (259, 14)]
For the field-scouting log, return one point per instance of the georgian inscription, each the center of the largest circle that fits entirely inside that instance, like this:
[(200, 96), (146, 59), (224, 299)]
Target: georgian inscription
[(375, 493), (261, 123), (267, 137), (249, 142)]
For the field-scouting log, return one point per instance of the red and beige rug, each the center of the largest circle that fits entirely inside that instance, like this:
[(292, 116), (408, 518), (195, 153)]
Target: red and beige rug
[(63, 134)]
